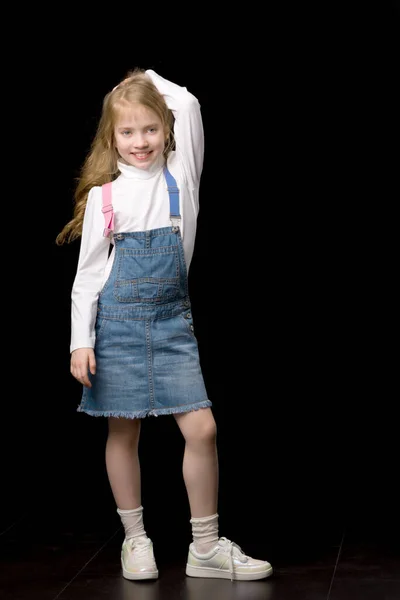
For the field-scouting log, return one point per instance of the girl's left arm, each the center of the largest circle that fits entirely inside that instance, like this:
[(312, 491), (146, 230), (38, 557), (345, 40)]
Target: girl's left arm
[(188, 127)]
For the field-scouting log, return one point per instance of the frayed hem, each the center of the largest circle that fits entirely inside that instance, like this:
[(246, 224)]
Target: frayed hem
[(174, 410), (141, 414)]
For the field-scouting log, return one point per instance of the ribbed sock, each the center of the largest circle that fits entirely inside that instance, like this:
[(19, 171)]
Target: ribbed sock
[(132, 520), (205, 533)]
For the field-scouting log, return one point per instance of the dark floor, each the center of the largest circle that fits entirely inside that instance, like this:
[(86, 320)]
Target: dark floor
[(66, 554), (323, 509)]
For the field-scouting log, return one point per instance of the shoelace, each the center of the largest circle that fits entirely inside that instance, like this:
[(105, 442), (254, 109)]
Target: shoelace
[(140, 549), (233, 550)]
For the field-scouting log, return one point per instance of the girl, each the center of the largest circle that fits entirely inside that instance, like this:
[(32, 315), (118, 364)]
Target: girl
[(132, 339)]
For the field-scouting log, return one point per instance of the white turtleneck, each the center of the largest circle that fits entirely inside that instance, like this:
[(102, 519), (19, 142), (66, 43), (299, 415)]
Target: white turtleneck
[(141, 202)]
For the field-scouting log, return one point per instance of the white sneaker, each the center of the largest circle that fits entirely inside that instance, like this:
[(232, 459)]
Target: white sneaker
[(226, 561), (137, 559)]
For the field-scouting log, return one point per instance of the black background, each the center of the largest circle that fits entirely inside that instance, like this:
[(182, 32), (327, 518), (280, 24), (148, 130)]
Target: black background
[(291, 280)]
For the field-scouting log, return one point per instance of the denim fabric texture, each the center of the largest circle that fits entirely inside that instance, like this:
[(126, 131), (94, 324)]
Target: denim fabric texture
[(146, 350)]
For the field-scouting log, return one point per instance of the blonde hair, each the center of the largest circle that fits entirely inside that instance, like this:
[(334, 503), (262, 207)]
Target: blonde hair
[(100, 165)]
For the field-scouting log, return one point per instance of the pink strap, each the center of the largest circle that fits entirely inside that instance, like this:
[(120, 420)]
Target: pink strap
[(107, 208)]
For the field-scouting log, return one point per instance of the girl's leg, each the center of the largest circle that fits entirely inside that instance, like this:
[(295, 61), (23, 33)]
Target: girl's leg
[(209, 555), (200, 472), (200, 461), (123, 469), (122, 462)]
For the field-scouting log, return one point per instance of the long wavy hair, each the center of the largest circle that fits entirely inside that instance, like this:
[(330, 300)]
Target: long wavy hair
[(100, 165)]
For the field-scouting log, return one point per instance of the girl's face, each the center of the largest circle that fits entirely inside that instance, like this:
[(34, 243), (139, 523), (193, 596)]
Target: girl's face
[(139, 136)]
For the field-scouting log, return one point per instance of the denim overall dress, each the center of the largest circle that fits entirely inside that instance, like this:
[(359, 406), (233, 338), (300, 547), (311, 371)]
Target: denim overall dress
[(147, 360)]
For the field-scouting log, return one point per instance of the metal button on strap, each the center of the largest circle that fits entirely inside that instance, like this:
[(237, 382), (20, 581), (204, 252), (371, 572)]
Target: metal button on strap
[(188, 316)]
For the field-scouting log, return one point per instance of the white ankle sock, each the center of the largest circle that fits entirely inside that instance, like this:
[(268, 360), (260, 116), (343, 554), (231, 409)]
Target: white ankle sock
[(132, 520), (205, 533)]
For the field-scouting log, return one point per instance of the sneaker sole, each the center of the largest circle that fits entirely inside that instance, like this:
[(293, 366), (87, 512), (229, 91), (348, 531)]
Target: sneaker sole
[(133, 576), (218, 574)]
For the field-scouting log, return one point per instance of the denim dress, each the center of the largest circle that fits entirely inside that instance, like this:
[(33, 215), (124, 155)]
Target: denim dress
[(147, 359)]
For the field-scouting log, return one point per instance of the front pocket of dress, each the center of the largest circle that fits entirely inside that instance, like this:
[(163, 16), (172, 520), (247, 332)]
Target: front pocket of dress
[(147, 275)]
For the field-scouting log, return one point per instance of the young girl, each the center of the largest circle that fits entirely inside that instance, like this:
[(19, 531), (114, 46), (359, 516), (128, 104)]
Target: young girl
[(133, 345)]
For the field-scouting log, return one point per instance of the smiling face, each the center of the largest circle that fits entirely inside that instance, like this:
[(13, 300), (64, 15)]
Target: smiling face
[(139, 136)]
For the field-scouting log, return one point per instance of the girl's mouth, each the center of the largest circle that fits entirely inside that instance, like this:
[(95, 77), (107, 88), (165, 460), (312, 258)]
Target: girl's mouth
[(142, 155)]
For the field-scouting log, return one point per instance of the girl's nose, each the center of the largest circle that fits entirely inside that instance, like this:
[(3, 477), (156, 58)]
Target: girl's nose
[(140, 141)]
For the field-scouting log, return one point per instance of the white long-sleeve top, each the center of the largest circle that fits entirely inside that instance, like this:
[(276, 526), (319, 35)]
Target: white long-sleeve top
[(141, 202)]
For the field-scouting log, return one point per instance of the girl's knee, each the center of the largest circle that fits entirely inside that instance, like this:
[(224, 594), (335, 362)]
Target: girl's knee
[(208, 433), (201, 429)]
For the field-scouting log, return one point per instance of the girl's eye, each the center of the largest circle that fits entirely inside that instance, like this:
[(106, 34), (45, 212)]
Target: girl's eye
[(125, 132), (152, 129)]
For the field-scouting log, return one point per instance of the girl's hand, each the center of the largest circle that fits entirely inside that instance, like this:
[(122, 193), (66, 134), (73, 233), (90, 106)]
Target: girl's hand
[(83, 361)]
